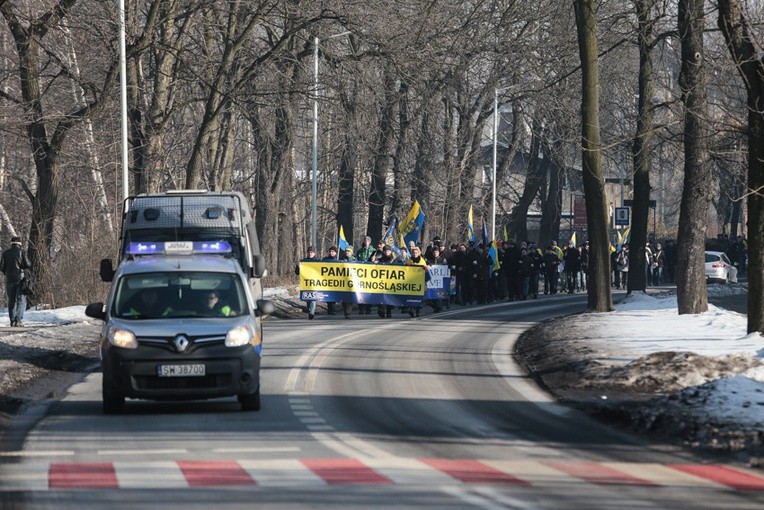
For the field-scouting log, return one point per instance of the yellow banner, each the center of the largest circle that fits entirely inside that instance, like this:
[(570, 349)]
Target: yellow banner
[(362, 277)]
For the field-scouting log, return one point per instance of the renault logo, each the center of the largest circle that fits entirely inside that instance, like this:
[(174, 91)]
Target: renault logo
[(181, 343)]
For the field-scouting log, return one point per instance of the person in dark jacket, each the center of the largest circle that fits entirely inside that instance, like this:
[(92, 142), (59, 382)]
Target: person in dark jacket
[(12, 264), (551, 264), (511, 265), (310, 257), (331, 257), (481, 274), (572, 266), (388, 257)]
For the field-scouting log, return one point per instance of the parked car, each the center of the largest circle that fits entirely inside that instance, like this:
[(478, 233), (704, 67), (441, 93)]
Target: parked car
[(719, 268)]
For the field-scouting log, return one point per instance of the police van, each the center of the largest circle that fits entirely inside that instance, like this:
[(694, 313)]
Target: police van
[(178, 250), (180, 323)]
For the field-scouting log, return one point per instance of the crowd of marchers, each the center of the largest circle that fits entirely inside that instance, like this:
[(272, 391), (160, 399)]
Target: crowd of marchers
[(520, 271)]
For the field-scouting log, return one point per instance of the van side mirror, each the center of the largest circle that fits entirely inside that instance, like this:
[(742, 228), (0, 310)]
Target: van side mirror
[(264, 307), (258, 266), (96, 311), (106, 271)]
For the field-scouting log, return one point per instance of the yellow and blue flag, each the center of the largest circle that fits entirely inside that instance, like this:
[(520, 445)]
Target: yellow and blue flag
[(485, 234), (626, 234), (573, 240), (471, 227), (389, 237), (342, 243), (494, 253), (411, 225)]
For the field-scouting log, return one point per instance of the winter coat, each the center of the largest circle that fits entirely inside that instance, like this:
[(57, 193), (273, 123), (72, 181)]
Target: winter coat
[(13, 263)]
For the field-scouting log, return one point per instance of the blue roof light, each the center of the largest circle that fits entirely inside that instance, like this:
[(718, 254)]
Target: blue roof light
[(212, 247), (145, 248), (179, 248)]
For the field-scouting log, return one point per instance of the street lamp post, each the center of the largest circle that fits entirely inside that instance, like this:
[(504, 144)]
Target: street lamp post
[(314, 172), (493, 180), (123, 96)]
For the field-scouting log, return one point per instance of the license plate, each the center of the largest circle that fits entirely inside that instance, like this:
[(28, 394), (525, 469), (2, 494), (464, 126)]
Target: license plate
[(181, 370)]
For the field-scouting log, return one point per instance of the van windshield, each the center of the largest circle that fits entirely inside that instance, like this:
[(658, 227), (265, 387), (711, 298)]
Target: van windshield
[(186, 294)]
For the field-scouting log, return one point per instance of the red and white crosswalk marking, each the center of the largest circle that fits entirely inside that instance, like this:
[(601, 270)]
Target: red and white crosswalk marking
[(36, 476)]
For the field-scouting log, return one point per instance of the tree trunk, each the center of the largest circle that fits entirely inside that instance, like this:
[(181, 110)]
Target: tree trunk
[(692, 296), (95, 166), (750, 64), (552, 207), (642, 148), (45, 151), (378, 188), (399, 160), (534, 178), (598, 282)]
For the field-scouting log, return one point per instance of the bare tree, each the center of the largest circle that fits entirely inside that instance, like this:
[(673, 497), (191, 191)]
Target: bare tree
[(750, 64), (29, 35), (642, 146), (691, 275), (598, 283)]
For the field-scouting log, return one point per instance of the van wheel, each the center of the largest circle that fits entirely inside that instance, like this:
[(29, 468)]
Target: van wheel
[(250, 402), (113, 405)]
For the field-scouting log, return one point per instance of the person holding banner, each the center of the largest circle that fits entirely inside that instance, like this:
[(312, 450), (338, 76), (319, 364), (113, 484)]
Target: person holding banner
[(388, 257), (347, 307), (365, 254), (310, 257), (332, 257), (435, 259), (416, 260)]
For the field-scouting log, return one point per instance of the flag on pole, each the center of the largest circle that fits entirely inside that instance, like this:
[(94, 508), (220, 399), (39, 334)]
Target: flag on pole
[(389, 237), (573, 240), (620, 238), (626, 234), (412, 223), (471, 227), (485, 234), (506, 234), (494, 253), (342, 243)]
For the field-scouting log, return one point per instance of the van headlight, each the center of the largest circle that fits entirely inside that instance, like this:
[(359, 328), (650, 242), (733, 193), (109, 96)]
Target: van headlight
[(122, 338), (242, 335)]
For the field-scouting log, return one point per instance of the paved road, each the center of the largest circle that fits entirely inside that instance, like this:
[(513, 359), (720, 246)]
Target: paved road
[(422, 413)]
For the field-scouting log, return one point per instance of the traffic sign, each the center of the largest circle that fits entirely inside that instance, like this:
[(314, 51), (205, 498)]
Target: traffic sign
[(622, 216)]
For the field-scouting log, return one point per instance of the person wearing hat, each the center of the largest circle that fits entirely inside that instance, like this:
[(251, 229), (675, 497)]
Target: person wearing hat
[(388, 257), (347, 306), (365, 254), (310, 257), (12, 264), (416, 260), (331, 257)]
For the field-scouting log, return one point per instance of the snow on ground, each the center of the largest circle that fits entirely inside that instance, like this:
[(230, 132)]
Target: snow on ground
[(716, 364), (641, 326)]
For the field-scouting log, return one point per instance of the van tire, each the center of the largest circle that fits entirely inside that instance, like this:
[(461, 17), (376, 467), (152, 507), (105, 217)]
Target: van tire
[(250, 402)]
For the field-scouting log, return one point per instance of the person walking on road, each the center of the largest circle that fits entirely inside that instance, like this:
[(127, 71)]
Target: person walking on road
[(311, 303), (572, 266), (12, 264), (331, 257)]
